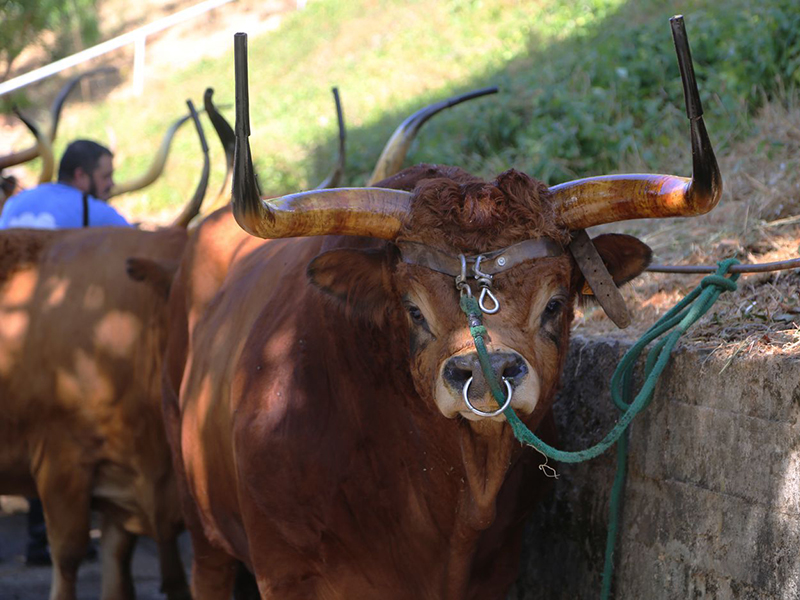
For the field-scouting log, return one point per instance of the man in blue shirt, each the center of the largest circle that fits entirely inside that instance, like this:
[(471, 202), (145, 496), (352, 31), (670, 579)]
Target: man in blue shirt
[(85, 178)]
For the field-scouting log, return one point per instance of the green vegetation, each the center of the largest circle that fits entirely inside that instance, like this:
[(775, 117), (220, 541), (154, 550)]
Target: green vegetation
[(23, 23), (586, 87)]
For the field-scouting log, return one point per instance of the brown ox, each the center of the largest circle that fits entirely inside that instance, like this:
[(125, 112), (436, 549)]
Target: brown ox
[(80, 426), (314, 386), (80, 422)]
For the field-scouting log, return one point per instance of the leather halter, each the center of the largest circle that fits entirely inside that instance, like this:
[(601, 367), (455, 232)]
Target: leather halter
[(599, 279), (481, 267), (491, 263), (484, 266)]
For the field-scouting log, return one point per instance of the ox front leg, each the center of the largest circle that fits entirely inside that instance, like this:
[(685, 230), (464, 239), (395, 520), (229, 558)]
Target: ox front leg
[(65, 498), (213, 570), (116, 550), (173, 576)]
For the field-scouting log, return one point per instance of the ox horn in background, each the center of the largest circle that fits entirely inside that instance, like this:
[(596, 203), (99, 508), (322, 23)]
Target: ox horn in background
[(373, 212), (606, 199), (44, 148), (396, 149), (335, 176), (228, 140), (192, 209), (156, 167), (16, 158)]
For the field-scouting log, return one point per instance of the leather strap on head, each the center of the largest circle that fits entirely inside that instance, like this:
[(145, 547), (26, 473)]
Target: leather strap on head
[(491, 262), (599, 279)]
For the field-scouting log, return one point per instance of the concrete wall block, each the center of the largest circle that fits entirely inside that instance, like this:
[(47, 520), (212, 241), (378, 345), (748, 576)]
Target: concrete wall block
[(712, 502)]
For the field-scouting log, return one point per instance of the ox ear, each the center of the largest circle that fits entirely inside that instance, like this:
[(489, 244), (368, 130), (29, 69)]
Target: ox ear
[(157, 274), (625, 257), (356, 279)]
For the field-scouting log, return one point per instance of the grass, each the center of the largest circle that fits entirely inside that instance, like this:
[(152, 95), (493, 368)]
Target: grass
[(587, 87)]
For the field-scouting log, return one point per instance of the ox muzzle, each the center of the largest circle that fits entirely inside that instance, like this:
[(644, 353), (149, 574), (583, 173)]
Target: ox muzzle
[(462, 387)]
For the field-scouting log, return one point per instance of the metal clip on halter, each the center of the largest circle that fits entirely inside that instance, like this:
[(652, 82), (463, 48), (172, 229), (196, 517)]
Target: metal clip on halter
[(485, 282), (461, 280)]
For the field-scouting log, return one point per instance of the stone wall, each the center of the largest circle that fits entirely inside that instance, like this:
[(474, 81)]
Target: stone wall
[(712, 501)]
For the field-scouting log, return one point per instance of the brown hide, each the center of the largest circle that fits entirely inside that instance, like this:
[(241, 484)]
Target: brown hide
[(306, 437), (80, 362)]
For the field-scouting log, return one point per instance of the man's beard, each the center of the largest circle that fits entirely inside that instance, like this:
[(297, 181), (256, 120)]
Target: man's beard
[(93, 191)]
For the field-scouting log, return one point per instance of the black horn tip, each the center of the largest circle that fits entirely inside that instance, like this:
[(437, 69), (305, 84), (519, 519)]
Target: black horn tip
[(339, 112), (242, 92), (198, 126), (418, 119), (694, 109)]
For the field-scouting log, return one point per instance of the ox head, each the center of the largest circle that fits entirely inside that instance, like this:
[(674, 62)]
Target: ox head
[(449, 233), (408, 286)]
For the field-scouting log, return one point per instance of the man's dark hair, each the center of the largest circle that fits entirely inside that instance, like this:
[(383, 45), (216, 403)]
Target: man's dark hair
[(80, 153)]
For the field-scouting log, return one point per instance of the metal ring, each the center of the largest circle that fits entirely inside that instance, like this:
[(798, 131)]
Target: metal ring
[(481, 413), (485, 291)]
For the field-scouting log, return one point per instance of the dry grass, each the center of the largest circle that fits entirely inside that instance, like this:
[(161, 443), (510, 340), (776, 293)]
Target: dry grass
[(757, 220)]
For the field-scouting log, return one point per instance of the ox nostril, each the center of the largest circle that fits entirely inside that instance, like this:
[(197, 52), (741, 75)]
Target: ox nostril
[(456, 375), (511, 365), (516, 371), (459, 369)]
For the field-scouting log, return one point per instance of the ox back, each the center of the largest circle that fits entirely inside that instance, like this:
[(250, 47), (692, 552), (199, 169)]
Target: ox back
[(80, 360)]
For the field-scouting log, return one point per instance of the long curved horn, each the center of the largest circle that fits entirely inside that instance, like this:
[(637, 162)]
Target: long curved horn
[(66, 90), (16, 158), (596, 200), (335, 176), (156, 167), (191, 210), (44, 148), (226, 137), (373, 212), (394, 153)]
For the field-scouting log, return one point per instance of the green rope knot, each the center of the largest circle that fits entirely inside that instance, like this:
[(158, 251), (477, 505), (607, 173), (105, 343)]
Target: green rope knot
[(728, 285)]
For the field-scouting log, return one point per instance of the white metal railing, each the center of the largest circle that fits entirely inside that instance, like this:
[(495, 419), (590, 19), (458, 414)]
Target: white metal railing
[(136, 37)]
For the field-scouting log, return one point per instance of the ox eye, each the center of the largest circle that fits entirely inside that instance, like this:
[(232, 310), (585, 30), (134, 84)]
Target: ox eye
[(416, 314), (553, 309)]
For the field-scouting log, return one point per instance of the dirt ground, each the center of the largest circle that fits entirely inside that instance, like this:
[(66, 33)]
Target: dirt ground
[(20, 582)]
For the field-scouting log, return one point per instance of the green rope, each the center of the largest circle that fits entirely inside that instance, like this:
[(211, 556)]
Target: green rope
[(679, 318)]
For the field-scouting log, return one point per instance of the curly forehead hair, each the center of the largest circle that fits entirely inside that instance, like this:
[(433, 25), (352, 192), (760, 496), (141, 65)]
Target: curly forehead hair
[(81, 153), (471, 215)]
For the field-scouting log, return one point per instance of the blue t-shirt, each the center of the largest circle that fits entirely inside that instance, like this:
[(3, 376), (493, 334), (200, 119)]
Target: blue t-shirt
[(56, 206)]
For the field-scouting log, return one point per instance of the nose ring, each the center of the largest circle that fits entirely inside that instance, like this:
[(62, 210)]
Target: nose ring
[(480, 413)]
